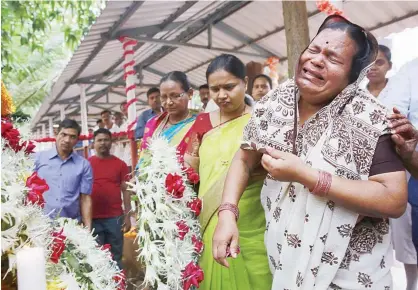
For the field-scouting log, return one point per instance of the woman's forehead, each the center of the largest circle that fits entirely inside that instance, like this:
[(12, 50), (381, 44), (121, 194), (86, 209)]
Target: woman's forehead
[(169, 86), (333, 39), (221, 77)]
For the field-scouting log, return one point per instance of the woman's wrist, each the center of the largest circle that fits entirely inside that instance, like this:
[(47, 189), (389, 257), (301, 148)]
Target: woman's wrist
[(308, 177), (230, 208)]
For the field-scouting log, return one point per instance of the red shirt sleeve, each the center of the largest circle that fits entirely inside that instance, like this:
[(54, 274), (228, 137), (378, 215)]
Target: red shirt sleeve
[(124, 172)]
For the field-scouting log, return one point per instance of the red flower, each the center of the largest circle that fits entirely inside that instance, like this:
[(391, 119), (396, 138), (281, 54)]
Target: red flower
[(195, 206), (5, 126), (107, 247), (174, 185), (37, 187), (120, 279), (183, 229), (192, 275), (192, 176), (198, 244), (29, 146), (58, 246)]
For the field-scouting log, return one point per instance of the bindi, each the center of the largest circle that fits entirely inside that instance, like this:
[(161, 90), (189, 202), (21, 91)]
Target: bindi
[(327, 42)]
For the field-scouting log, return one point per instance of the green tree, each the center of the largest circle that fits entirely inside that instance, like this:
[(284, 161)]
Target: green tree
[(38, 38)]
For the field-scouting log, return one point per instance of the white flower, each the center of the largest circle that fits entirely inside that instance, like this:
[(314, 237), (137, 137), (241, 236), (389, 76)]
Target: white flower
[(162, 251)]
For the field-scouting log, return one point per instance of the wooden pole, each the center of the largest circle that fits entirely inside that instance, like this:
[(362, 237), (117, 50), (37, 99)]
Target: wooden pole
[(296, 26)]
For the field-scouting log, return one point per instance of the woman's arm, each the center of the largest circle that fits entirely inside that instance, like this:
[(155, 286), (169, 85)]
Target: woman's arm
[(243, 163), (226, 232), (383, 195)]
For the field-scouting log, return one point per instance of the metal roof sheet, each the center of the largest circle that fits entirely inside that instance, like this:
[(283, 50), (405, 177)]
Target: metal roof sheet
[(251, 27)]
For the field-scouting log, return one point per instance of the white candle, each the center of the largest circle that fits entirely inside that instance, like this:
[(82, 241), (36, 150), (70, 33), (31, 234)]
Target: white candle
[(31, 269)]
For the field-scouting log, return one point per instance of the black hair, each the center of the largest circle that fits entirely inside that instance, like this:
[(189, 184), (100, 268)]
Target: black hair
[(265, 77), (366, 43), (178, 77), (228, 63), (205, 86), (102, 131), (118, 114), (99, 121), (105, 111), (386, 51), (152, 90), (69, 124)]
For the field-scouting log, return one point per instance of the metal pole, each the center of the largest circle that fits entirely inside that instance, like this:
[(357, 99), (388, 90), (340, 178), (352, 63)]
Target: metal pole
[(62, 112), (83, 112), (51, 127)]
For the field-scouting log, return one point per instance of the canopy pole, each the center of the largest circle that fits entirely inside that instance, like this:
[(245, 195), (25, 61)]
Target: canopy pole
[(130, 78), (51, 127), (62, 112), (295, 18), (84, 124)]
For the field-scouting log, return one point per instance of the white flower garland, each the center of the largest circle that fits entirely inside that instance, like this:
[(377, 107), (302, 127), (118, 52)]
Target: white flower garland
[(25, 224), (162, 250)]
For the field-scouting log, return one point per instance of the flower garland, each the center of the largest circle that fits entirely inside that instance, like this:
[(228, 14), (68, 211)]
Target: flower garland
[(328, 8), (74, 259), (168, 229)]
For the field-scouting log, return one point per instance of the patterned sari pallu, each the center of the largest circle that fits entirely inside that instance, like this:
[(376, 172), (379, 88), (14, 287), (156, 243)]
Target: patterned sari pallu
[(313, 243)]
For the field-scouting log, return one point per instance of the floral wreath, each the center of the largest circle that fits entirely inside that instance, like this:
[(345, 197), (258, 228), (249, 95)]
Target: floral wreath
[(74, 260), (168, 229)]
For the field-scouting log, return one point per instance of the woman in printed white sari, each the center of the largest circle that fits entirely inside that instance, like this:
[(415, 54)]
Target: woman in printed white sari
[(334, 176)]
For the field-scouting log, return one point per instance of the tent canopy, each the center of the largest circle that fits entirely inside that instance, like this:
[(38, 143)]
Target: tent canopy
[(186, 36)]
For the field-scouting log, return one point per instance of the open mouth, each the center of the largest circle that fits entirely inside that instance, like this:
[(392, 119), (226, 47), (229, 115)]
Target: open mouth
[(313, 74)]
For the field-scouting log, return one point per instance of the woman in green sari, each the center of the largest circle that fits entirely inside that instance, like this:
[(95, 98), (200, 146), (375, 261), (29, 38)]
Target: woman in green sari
[(215, 137)]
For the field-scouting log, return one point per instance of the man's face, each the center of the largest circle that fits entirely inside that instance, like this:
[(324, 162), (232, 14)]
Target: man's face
[(102, 144), (261, 87), (204, 95), (105, 117), (154, 101), (123, 109), (66, 139), (118, 119)]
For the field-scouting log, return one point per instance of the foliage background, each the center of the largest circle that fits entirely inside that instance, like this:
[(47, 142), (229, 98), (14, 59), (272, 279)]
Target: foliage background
[(37, 41)]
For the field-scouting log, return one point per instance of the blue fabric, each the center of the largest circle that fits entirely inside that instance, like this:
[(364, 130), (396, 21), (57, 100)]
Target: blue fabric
[(170, 132), (109, 231), (142, 121), (66, 180), (413, 201)]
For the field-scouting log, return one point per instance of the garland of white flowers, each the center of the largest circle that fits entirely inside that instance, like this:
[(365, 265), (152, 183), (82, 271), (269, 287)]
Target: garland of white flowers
[(168, 229), (81, 263)]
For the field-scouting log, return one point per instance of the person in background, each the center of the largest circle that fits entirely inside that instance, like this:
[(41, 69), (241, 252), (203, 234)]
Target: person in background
[(107, 120), (118, 120), (69, 176), (204, 95), (99, 124), (110, 176), (262, 84), (154, 101), (123, 109), (402, 97)]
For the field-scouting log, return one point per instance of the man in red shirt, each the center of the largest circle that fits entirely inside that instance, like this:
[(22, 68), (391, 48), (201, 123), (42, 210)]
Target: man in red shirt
[(109, 180)]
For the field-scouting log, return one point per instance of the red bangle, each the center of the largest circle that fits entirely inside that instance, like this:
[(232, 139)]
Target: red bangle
[(231, 207), (323, 184)]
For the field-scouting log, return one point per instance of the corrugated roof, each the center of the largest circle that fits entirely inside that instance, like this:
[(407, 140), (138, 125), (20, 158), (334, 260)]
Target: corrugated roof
[(251, 27)]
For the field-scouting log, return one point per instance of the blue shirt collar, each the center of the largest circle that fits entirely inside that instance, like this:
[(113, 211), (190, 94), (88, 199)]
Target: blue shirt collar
[(54, 153)]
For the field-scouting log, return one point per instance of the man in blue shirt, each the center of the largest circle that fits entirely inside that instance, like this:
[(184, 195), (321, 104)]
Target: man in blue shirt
[(153, 96), (68, 175)]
